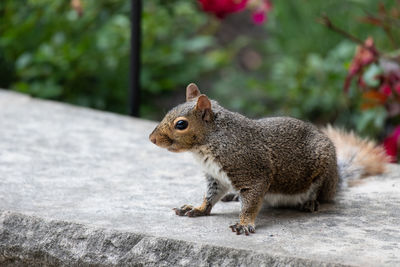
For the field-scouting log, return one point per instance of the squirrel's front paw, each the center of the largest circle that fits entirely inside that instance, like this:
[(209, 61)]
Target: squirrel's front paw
[(190, 211), (239, 228)]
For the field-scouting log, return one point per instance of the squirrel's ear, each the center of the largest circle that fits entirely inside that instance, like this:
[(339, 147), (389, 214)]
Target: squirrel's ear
[(192, 91), (204, 106)]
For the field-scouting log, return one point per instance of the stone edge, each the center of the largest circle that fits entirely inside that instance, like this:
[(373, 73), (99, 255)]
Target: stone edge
[(30, 240)]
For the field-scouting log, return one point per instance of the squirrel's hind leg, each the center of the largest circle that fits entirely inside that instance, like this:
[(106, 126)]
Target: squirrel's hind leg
[(215, 190), (309, 206), (322, 189), (329, 185)]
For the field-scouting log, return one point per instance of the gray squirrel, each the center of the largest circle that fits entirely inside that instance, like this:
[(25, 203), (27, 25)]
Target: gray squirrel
[(280, 161)]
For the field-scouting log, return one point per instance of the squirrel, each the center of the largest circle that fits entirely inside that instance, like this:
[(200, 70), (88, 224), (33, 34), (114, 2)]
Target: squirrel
[(280, 161)]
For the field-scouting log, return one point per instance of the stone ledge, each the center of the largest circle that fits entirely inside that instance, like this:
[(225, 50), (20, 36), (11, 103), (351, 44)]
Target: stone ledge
[(30, 240), (80, 186)]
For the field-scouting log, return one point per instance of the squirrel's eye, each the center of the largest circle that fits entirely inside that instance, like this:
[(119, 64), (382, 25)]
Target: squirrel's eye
[(181, 125)]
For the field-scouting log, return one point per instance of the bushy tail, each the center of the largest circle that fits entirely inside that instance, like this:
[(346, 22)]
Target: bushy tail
[(357, 157)]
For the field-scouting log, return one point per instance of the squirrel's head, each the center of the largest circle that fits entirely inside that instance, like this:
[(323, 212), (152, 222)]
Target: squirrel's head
[(186, 125)]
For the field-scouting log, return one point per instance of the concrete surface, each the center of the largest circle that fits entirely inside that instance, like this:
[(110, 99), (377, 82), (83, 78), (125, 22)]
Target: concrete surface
[(79, 186)]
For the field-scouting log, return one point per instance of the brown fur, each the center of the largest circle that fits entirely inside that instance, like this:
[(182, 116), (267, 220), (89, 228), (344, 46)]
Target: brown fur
[(280, 159)]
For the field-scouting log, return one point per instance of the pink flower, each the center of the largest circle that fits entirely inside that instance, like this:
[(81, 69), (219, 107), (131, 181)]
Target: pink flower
[(221, 8), (386, 89), (259, 17), (392, 144)]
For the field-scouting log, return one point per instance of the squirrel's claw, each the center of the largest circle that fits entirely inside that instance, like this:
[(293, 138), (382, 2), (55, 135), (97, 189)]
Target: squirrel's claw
[(178, 212), (183, 210), (194, 213), (190, 211), (239, 229)]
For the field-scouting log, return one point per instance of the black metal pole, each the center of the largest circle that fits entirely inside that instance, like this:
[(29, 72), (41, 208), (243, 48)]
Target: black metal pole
[(136, 17)]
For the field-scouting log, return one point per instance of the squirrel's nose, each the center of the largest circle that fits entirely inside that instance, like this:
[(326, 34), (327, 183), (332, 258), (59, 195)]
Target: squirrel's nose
[(153, 139)]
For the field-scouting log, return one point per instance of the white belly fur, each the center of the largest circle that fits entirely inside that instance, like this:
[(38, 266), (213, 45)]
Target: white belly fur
[(271, 199), (212, 168), (282, 200)]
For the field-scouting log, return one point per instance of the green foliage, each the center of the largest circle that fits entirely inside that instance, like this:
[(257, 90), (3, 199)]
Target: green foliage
[(49, 51), (175, 50), (58, 55), (305, 65)]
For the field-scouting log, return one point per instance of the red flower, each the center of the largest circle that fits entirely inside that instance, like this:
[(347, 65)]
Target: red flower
[(260, 14), (386, 89), (392, 144), (259, 17), (221, 8)]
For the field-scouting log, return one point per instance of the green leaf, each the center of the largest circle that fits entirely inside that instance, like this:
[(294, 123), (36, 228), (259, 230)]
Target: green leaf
[(370, 75)]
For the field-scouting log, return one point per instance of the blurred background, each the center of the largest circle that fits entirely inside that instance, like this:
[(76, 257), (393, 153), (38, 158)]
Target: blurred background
[(332, 61)]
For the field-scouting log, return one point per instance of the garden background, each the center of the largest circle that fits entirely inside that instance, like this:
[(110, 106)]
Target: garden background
[(294, 60)]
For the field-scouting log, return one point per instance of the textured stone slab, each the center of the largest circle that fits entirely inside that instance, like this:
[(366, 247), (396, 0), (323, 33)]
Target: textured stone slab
[(79, 186)]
